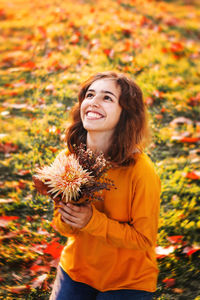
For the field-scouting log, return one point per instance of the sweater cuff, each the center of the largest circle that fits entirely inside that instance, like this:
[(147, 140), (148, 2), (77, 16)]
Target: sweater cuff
[(97, 223)]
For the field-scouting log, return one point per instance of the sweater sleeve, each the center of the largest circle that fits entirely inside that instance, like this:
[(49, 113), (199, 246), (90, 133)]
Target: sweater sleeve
[(140, 233)]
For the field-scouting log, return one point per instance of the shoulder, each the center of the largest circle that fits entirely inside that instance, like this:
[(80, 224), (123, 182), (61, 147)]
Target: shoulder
[(144, 167), (141, 160)]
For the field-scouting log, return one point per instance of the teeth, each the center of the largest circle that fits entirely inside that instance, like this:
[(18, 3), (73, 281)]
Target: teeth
[(93, 115)]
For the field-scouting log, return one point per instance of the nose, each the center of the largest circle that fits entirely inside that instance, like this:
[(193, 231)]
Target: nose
[(95, 100)]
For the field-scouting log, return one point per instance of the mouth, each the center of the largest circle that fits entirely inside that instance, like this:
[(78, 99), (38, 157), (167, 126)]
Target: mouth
[(93, 115)]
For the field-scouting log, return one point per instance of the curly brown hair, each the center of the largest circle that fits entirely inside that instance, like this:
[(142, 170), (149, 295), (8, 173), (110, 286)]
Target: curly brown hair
[(132, 132)]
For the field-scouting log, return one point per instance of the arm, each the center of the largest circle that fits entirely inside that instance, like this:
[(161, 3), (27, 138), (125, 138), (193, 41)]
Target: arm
[(140, 233)]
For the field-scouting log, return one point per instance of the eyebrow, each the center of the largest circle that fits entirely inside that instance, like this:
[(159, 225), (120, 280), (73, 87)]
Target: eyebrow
[(105, 92)]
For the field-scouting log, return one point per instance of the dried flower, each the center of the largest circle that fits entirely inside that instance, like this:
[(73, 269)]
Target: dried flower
[(76, 176)]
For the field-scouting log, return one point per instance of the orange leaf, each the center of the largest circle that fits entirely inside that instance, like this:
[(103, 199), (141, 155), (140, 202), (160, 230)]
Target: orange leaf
[(10, 235), (23, 172), (178, 291), (42, 31), (74, 39), (18, 288), (29, 65)]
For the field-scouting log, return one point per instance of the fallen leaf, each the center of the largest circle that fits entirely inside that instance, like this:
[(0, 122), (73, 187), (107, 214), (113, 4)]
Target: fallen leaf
[(54, 249), (8, 147), (23, 172), (18, 288), (169, 282), (175, 239), (189, 140), (38, 268), (40, 186), (5, 220), (5, 201), (178, 291), (10, 235), (195, 175), (37, 282), (164, 251)]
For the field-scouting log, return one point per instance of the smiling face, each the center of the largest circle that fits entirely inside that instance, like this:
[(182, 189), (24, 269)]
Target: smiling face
[(100, 109)]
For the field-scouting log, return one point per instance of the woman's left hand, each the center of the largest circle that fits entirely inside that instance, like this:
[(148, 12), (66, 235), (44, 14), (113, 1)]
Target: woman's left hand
[(76, 216)]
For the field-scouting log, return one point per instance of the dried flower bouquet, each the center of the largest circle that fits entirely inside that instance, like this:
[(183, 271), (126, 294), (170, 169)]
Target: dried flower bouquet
[(75, 178)]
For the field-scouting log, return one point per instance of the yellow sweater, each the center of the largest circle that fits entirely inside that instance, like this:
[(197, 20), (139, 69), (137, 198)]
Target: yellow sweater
[(116, 249)]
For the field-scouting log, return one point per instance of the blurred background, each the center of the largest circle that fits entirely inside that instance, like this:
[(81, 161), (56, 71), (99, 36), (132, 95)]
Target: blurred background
[(46, 50)]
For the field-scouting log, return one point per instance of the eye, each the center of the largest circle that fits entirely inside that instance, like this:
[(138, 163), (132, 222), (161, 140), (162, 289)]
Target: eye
[(89, 95), (106, 97)]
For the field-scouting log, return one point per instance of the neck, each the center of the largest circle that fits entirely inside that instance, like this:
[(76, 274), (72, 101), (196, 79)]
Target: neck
[(98, 141)]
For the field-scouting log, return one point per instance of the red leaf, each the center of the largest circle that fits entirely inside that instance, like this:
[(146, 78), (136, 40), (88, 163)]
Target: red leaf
[(192, 251), (22, 184), (109, 52), (194, 101), (175, 239), (169, 282), (193, 175), (54, 249), (38, 268), (2, 14), (8, 147), (5, 220), (29, 65), (176, 47), (190, 140)]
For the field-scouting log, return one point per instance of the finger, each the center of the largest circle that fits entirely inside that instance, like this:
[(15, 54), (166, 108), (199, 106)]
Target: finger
[(70, 223), (67, 216), (69, 209), (74, 207)]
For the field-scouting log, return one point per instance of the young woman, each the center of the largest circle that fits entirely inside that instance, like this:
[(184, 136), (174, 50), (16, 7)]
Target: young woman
[(110, 251)]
